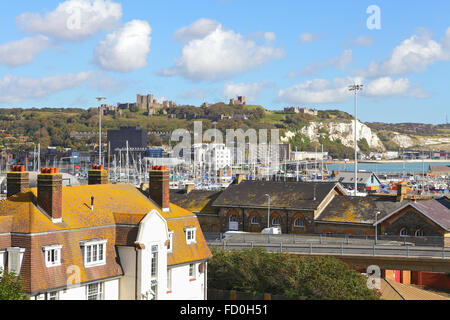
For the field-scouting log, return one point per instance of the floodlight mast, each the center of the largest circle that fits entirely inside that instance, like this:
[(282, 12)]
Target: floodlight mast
[(100, 109), (356, 88)]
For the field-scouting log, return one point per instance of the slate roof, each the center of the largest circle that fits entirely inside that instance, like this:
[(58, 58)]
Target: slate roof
[(437, 210), (348, 177), (392, 290), (196, 201), (284, 195), (358, 209)]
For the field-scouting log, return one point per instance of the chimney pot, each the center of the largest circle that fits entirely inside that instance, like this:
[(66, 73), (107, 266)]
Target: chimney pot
[(17, 180)]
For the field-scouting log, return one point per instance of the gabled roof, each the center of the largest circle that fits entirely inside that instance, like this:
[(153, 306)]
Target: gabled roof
[(437, 210), (286, 195), (358, 209), (349, 177)]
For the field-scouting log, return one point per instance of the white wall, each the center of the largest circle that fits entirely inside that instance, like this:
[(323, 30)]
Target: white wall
[(182, 288), (127, 282), (110, 292)]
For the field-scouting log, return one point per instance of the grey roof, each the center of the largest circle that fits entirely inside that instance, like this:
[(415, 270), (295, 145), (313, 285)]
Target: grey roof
[(349, 177), (288, 195), (437, 210)]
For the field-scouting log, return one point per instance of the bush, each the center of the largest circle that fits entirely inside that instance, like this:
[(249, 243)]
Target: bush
[(258, 271), (11, 287)]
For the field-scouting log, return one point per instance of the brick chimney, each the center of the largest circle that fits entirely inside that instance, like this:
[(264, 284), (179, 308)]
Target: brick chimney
[(49, 188), (401, 191), (97, 175), (17, 180), (159, 187)]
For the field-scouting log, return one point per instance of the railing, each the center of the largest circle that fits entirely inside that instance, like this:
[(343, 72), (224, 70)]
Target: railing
[(381, 240), (340, 249)]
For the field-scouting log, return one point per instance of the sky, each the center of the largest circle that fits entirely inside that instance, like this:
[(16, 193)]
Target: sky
[(276, 53)]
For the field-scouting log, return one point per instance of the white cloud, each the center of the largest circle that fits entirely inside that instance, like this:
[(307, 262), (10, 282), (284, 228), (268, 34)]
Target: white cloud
[(251, 90), (317, 91), (14, 89), (220, 54), (73, 20), (309, 37), (126, 48), (386, 86), (270, 36), (197, 30), (412, 55), (363, 41), (20, 52), (339, 62)]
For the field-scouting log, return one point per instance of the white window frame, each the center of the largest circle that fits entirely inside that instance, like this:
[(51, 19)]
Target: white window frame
[(94, 244), (170, 249), (254, 220), (2, 260), (154, 259), (301, 225), (192, 276), (56, 293), (276, 224), (419, 233), (48, 257), (15, 253), (100, 291), (169, 280), (401, 231), (193, 232)]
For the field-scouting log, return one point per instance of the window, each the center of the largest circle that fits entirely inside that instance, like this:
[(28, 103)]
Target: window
[(192, 272), (94, 253), (169, 248), (298, 223), (52, 255), (2, 261), (254, 220), (169, 280), (154, 262), (190, 235), (419, 233), (233, 218), (403, 232), (94, 291), (15, 257), (53, 295), (276, 221)]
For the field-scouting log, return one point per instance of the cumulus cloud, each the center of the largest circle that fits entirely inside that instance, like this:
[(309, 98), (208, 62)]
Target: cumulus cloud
[(267, 36), (322, 91), (73, 20), (15, 89), (309, 37), (250, 90), (197, 30), (21, 52), (412, 55), (220, 54), (339, 62), (126, 48)]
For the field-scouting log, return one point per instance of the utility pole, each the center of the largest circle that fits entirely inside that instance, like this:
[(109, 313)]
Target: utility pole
[(100, 109), (268, 211), (356, 88)]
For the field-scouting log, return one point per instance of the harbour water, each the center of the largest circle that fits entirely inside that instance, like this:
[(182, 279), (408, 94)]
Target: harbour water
[(388, 167)]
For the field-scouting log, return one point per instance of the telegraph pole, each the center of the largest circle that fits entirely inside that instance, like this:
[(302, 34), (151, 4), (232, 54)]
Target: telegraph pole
[(100, 109)]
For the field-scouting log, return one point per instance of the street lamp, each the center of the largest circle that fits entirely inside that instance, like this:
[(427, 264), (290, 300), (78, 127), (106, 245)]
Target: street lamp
[(100, 130), (376, 219), (268, 211), (356, 88)]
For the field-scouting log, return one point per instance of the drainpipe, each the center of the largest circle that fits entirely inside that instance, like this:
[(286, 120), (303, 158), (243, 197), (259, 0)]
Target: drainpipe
[(136, 276), (205, 279)]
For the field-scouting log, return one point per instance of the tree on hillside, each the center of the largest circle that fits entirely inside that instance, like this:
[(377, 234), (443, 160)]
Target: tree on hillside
[(258, 271), (11, 287)]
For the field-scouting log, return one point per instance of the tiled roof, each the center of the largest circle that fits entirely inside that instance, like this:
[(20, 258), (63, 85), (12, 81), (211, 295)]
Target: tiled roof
[(289, 195), (358, 209), (349, 177), (197, 201), (392, 290)]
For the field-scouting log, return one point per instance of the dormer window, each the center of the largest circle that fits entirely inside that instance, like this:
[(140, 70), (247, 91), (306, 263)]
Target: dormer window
[(170, 246), (94, 252), (52, 255), (190, 235)]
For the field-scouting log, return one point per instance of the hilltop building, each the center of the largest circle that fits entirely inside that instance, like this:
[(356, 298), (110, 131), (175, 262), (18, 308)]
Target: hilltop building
[(240, 101), (101, 241), (299, 110), (152, 105)]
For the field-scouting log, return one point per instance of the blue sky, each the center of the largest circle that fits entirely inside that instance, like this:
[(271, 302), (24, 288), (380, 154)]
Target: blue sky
[(277, 53)]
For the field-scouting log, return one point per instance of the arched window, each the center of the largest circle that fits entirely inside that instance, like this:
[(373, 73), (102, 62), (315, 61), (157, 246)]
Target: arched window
[(419, 233), (299, 223), (276, 221), (233, 218), (254, 220), (403, 232)]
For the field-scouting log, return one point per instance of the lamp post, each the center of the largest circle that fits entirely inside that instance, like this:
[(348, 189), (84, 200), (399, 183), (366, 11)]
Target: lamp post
[(376, 219), (268, 211), (100, 109), (356, 88)]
